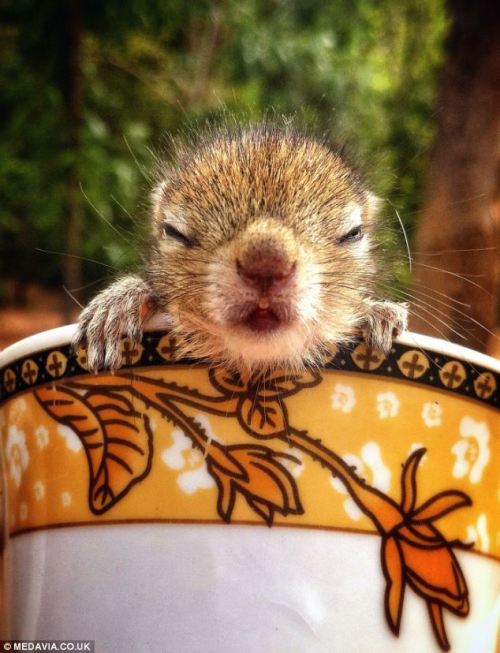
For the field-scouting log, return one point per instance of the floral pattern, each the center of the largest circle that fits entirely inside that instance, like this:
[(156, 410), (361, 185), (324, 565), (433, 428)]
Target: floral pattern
[(432, 413), (190, 462), (387, 405), (23, 511), (370, 464), (258, 474), (343, 398), (73, 442), (42, 437), (472, 452), (414, 552), (479, 534), (66, 499), (39, 490), (294, 462), (258, 459), (17, 454)]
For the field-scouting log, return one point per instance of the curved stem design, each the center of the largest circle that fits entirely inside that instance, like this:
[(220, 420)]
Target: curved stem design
[(381, 509)]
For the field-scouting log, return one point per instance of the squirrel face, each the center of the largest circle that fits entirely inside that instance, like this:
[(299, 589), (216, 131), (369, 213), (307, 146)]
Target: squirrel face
[(263, 247)]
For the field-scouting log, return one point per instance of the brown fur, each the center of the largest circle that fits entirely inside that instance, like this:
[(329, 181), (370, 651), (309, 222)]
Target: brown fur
[(233, 196)]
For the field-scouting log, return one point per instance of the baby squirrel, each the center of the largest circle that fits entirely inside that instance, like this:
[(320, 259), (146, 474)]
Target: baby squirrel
[(262, 254)]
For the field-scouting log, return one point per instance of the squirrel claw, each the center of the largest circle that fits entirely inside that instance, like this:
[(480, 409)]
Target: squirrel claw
[(117, 311), (384, 321)]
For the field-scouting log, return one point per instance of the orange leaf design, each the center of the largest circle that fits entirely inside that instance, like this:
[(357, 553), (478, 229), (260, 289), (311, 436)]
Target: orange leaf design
[(408, 481), (439, 505), (264, 384), (436, 615), (271, 385), (116, 438), (264, 481), (392, 566), (263, 419), (434, 573), (227, 382), (261, 410)]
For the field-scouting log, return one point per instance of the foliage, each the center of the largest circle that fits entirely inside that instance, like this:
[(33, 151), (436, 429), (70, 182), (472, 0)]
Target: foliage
[(363, 72)]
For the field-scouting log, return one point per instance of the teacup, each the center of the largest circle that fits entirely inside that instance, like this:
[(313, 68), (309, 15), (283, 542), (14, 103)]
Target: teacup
[(175, 506)]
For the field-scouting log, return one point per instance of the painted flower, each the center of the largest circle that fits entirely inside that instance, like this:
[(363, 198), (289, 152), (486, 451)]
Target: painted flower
[(432, 413), (472, 452), (295, 463), (194, 480), (42, 437), (415, 553), (17, 454), (350, 507), (258, 474), (23, 511), (478, 533), (371, 464), (343, 398), (73, 442), (387, 405), (189, 462), (173, 456), (39, 490), (18, 407)]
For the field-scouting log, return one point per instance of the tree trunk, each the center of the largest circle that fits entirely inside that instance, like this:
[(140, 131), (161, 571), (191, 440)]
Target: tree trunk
[(72, 23), (456, 272)]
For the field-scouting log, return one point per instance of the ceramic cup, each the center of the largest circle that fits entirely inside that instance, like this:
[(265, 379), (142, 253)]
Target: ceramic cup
[(176, 507)]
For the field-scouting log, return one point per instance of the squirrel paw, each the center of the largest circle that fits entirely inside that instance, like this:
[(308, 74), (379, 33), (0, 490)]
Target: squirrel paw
[(384, 321), (117, 311)]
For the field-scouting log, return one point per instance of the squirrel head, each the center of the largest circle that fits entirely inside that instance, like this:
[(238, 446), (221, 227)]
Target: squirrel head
[(263, 246)]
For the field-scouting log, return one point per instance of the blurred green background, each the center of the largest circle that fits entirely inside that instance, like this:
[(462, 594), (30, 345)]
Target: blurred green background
[(364, 72)]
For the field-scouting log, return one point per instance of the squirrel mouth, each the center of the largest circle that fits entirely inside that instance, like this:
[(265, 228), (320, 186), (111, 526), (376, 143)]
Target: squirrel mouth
[(263, 320)]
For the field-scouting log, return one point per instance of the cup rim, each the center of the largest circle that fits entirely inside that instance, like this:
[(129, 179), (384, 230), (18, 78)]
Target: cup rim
[(61, 336)]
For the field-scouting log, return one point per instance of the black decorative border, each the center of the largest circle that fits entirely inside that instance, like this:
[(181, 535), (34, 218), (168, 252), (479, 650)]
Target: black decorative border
[(403, 362)]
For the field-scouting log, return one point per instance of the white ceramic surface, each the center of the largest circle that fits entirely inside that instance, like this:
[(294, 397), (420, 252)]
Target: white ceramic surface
[(192, 589)]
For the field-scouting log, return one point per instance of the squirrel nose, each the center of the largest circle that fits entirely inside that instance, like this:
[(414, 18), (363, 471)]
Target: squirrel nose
[(264, 272)]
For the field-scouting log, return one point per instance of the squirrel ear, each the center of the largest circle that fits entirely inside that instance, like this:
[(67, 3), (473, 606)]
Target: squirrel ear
[(372, 207), (155, 198)]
